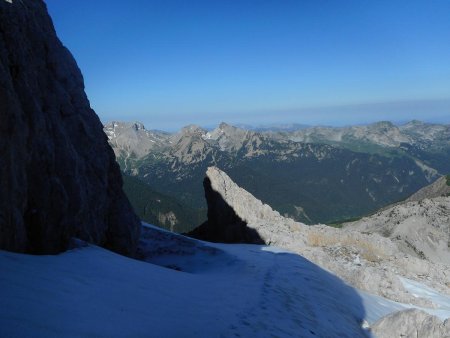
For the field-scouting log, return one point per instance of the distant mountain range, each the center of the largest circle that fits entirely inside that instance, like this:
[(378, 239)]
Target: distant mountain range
[(274, 127), (312, 174)]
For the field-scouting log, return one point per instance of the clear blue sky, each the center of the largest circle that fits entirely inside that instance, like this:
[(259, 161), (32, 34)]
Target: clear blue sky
[(170, 63)]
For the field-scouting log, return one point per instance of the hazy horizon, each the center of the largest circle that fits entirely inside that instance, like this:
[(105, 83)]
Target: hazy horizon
[(172, 63), (256, 125)]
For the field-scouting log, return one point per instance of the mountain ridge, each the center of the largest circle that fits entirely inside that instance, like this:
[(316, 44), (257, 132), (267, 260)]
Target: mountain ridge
[(384, 168)]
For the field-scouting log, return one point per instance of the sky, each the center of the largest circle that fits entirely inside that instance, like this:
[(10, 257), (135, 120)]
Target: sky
[(171, 63)]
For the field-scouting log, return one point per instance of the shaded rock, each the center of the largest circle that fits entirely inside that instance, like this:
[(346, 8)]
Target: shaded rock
[(411, 323), (59, 177), (235, 215)]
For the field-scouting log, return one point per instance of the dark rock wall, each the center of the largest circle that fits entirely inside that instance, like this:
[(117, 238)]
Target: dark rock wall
[(58, 175)]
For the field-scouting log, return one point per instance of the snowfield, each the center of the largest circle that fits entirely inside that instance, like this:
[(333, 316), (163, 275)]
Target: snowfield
[(184, 288)]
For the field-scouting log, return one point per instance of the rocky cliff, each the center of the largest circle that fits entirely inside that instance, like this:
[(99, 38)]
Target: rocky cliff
[(58, 174)]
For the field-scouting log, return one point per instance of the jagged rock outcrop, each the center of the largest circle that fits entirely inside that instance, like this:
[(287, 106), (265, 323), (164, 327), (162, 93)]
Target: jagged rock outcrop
[(366, 261), (234, 215), (58, 174), (411, 323)]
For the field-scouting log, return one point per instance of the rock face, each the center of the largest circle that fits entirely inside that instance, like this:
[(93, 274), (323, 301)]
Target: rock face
[(231, 216), (58, 174), (411, 323)]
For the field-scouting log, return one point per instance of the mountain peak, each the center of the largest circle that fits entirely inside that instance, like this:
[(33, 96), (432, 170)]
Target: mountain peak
[(224, 125), (138, 126), (228, 128), (383, 124), (192, 129)]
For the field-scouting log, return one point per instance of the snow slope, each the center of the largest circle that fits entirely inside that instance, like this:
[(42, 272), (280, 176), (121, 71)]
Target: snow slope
[(210, 290)]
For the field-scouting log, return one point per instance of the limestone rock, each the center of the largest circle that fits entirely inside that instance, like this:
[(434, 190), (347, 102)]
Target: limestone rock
[(411, 323), (419, 228), (234, 215), (58, 174)]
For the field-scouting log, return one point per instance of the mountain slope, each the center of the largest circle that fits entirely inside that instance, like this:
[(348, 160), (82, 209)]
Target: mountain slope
[(439, 188), (420, 225), (238, 290), (159, 209), (235, 290)]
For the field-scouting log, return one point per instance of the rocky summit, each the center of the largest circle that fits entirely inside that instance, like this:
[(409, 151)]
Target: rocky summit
[(58, 174)]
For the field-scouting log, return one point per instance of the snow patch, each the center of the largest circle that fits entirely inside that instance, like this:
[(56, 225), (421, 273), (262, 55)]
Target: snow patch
[(238, 290)]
